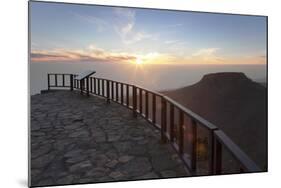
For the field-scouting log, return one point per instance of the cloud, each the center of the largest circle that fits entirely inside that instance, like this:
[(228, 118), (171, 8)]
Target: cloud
[(171, 41), (206, 52), (122, 21), (99, 23), (91, 54), (207, 55), (254, 59), (45, 56), (124, 25)]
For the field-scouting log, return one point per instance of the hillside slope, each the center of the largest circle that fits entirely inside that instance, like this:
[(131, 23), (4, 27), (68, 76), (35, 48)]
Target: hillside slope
[(234, 103)]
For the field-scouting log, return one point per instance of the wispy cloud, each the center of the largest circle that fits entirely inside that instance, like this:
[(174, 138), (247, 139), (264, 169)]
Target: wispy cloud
[(171, 41), (206, 52), (207, 55), (95, 54), (122, 21), (99, 23), (125, 26), (91, 54)]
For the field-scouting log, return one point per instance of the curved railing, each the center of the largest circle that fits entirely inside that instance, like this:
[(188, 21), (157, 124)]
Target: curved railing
[(178, 124)]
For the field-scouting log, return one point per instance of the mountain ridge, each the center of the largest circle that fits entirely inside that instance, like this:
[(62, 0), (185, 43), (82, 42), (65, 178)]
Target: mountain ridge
[(234, 103)]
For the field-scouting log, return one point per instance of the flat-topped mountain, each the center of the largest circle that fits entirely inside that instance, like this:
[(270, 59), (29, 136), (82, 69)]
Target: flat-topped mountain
[(234, 103)]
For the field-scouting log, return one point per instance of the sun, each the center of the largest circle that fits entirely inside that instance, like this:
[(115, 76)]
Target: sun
[(139, 61)]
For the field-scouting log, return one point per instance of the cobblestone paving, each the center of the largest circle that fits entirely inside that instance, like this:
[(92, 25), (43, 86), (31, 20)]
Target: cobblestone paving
[(79, 139)]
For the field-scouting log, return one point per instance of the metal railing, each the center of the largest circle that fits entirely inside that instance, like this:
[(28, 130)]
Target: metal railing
[(178, 125)]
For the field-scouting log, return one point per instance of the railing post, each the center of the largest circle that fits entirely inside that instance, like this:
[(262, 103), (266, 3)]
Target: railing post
[(163, 120), (134, 101), (140, 99), (172, 125), (71, 82), (98, 80), (81, 86), (95, 86), (211, 144), (218, 157), (48, 81), (63, 82), (107, 91), (194, 145), (117, 91), (127, 95), (56, 80), (91, 85), (87, 83), (153, 108), (112, 90), (102, 87), (122, 93), (181, 131), (146, 104)]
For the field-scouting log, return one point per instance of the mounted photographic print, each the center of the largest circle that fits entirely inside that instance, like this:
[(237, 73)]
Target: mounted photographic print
[(122, 93)]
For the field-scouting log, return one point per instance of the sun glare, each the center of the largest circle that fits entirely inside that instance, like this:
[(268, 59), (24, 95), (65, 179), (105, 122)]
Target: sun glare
[(139, 61)]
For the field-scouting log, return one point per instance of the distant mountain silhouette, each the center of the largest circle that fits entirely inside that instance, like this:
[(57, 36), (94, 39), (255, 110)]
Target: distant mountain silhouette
[(234, 103)]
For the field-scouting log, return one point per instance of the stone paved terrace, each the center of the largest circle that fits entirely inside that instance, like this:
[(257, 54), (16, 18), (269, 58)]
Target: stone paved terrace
[(79, 139)]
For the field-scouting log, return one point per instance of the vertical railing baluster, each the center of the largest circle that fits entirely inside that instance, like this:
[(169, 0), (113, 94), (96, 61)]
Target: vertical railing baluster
[(87, 83), (98, 80), (134, 101), (163, 119), (211, 152), (194, 145), (146, 104), (218, 157), (117, 91), (63, 82), (91, 84), (95, 86), (107, 91), (71, 82), (56, 80), (112, 90), (48, 81), (81, 86), (102, 87), (172, 125), (153, 108), (140, 100), (181, 131), (127, 95), (122, 94)]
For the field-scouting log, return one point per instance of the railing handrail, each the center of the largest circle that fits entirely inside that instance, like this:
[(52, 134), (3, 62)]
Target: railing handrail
[(217, 134), (236, 151), (133, 85), (192, 114), (59, 74)]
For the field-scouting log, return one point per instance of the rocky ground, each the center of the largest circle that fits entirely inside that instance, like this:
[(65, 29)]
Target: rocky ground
[(79, 139)]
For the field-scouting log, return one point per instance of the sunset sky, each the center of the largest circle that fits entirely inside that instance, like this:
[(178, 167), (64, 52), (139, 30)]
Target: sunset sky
[(76, 33)]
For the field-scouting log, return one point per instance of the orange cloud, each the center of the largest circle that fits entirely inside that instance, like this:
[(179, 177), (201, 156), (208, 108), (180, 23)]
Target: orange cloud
[(93, 54)]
